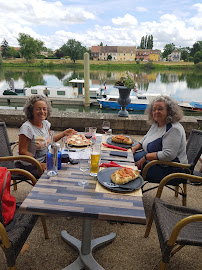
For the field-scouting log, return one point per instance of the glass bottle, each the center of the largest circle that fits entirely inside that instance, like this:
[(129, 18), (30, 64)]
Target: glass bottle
[(52, 156), (59, 156)]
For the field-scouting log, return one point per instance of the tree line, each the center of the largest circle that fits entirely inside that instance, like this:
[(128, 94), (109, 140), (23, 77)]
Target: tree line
[(31, 48)]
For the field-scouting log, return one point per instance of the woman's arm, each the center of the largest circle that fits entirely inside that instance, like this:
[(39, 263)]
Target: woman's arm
[(136, 147), (66, 132), (24, 145), (23, 148)]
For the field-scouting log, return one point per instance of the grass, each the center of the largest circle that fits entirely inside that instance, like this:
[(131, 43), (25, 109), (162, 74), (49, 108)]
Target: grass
[(94, 65)]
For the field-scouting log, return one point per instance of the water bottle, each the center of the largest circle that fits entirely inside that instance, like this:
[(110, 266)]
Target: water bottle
[(52, 156), (59, 156)]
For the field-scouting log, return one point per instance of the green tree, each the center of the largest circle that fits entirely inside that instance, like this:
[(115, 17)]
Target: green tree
[(1, 60), (198, 57), (13, 53), (197, 46), (109, 57), (101, 44), (29, 47), (146, 42), (185, 53), (73, 49), (168, 49), (142, 43), (5, 49)]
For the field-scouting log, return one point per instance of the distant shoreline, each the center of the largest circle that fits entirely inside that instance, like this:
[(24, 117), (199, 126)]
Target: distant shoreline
[(95, 65)]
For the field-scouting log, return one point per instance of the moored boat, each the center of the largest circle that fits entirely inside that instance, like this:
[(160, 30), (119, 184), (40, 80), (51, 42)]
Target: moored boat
[(139, 102), (192, 106)]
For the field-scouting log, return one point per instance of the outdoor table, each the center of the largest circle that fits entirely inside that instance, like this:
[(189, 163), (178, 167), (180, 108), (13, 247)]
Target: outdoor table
[(61, 195)]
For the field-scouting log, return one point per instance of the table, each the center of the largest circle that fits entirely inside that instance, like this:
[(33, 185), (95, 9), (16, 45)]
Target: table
[(61, 195)]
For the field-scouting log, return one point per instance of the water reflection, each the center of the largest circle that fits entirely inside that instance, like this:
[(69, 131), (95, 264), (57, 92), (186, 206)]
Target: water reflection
[(181, 85)]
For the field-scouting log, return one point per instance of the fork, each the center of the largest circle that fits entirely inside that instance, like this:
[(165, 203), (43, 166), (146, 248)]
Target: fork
[(108, 184)]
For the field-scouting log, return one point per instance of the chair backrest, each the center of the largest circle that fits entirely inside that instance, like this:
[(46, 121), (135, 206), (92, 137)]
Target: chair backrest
[(194, 147), (5, 148)]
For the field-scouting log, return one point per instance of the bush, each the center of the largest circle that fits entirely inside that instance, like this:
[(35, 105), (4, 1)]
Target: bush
[(199, 66), (149, 66)]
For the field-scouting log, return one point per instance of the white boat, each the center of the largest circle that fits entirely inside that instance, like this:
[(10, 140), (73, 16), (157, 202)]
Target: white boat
[(192, 106), (79, 85), (65, 91), (139, 102)]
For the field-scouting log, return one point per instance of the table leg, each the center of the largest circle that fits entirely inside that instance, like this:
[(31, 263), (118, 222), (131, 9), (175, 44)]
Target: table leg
[(85, 247)]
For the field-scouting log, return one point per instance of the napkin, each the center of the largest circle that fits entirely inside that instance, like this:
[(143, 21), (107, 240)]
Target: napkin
[(111, 164), (115, 147)]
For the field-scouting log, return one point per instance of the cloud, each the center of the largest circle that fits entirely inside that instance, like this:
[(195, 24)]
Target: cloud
[(125, 21), (141, 9), (56, 22)]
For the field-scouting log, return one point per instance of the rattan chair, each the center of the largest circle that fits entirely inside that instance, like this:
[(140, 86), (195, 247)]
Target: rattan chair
[(194, 151), (177, 226), (12, 238), (7, 159)]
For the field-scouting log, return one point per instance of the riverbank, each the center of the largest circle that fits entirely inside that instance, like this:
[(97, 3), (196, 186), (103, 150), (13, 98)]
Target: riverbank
[(96, 65)]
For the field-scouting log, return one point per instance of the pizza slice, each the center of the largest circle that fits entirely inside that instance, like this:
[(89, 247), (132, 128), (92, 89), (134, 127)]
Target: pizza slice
[(78, 140), (124, 175)]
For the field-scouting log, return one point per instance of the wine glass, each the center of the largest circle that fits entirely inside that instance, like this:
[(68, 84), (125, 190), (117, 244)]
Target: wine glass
[(88, 134), (105, 126), (84, 167)]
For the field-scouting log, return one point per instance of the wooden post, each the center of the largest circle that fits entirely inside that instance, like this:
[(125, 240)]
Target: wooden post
[(86, 80)]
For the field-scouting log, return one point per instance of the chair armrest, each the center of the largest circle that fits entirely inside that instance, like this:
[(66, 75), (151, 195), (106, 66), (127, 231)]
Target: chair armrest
[(173, 176), (25, 173), (31, 160), (4, 236), (168, 163), (182, 223)]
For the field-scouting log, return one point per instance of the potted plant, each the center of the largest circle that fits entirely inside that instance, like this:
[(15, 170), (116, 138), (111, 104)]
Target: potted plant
[(125, 84)]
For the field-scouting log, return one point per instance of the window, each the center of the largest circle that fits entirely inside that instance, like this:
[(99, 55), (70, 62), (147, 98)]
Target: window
[(34, 91), (61, 93)]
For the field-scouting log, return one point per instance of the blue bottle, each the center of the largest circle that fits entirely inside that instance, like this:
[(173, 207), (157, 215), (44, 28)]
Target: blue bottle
[(59, 156), (52, 156)]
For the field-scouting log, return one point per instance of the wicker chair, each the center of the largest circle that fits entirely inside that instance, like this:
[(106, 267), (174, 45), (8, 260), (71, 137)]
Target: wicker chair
[(176, 226), (194, 151), (7, 158), (12, 239)]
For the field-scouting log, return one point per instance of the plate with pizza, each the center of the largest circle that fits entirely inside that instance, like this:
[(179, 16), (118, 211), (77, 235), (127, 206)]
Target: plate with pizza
[(78, 140), (121, 141), (121, 176)]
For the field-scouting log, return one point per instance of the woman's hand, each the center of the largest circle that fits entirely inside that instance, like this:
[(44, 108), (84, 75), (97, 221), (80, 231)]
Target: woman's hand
[(43, 165), (69, 131), (140, 163), (138, 146)]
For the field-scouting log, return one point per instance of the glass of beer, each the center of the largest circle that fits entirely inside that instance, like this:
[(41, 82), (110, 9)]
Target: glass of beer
[(95, 158)]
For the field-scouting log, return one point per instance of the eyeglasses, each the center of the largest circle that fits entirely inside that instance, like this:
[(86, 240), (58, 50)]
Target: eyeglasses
[(158, 109)]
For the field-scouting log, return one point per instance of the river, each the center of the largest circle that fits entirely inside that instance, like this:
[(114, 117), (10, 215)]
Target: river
[(180, 85)]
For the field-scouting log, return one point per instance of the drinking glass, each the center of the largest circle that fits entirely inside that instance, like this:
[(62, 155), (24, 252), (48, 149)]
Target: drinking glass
[(105, 126), (93, 131), (84, 167), (95, 158), (88, 133)]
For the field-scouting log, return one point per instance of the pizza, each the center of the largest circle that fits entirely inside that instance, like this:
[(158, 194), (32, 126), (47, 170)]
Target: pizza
[(124, 175), (122, 139), (78, 140)]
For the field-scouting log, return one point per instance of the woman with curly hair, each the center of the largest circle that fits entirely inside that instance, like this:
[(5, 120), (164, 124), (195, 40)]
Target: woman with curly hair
[(34, 133), (165, 140)]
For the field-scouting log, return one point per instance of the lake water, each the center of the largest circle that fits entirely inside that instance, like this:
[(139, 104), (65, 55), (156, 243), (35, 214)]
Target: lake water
[(181, 85)]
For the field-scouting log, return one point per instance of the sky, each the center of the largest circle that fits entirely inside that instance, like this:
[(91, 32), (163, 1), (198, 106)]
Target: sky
[(112, 22)]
